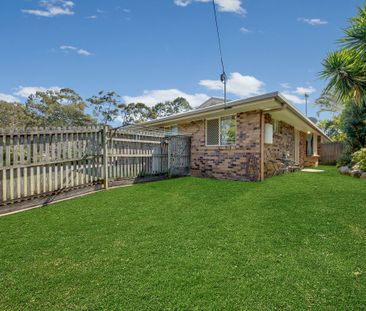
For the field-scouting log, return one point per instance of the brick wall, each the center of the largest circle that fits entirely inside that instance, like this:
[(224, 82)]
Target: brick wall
[(240, 161), (283, 141)]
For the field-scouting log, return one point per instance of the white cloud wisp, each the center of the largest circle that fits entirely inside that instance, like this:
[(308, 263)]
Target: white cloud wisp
[(52, 8), (232, 6)]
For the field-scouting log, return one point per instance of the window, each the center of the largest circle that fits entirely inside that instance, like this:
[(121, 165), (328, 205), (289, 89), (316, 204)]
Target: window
[(310, 144), (213, 132), (221, 131), (172, 130)]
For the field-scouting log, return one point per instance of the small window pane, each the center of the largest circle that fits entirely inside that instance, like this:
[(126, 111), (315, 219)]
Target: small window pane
[(213, 132), (228, 130), (174, 130)]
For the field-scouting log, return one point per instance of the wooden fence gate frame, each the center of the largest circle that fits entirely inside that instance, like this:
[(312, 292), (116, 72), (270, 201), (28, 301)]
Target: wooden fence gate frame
[(41, 165)]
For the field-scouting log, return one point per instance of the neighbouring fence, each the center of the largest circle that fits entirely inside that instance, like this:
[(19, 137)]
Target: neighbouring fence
[(330, 152), (40, 165)]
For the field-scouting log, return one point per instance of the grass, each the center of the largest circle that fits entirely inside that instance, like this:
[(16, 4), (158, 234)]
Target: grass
[(292, 242)]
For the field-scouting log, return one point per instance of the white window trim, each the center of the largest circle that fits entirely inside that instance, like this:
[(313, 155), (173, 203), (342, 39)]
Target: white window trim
[(219, 118)]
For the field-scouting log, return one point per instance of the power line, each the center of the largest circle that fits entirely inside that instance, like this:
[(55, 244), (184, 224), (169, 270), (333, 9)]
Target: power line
[(223, 74)]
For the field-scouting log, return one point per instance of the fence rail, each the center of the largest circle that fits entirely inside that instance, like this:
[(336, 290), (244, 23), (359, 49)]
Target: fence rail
[(44, 162), (330, 152)]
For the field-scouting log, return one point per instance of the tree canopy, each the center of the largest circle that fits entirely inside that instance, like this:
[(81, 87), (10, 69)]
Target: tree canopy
[(67, 108), (345, 69), (105, 106), (56, 109), (12, 115)]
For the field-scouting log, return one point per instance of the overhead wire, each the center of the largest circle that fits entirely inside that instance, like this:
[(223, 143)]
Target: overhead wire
[(223, 77)]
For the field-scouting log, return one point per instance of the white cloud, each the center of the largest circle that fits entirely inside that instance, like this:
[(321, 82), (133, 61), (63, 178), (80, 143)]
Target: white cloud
[(313, 21), (244, 30), (83, 52), (304, 90), (233, 6), (52, 8), (294, 98), (297, 96), (237, 84), (8, 98), (182, 2), (68, 48), (25, 91), (92, 17), (152, 97), (285, 85)]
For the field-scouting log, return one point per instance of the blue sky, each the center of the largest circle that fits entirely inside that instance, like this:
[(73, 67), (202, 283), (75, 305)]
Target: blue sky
[(157, 50)]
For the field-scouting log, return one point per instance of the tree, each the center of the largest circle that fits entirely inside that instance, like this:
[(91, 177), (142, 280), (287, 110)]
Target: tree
[(353, 124), (168, 108), (332, 128), (106, 106), (12, 115), (345, 69), (57, 109), (135, 113), (328, 102)]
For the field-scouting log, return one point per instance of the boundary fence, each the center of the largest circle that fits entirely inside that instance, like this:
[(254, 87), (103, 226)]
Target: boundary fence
[(40, 165)]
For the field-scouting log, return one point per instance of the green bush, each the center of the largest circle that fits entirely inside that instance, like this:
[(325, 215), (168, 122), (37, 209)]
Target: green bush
[(345, 159), (359, 159)]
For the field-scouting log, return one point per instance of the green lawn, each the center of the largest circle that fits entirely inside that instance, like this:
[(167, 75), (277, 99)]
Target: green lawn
[(292, 242)]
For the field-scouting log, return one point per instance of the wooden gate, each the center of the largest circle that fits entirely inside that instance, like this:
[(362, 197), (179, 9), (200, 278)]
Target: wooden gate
[(330, 152), (179, 153), (136, 155)]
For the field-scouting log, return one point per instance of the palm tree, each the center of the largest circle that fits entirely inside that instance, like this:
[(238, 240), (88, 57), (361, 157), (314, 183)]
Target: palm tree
[(345, 70)]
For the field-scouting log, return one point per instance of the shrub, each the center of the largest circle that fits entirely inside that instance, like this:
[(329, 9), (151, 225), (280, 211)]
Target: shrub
[(345, 159), (359, 159)]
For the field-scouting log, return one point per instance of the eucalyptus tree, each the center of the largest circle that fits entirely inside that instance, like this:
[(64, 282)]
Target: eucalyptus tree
[(106, 106), (57, 109)]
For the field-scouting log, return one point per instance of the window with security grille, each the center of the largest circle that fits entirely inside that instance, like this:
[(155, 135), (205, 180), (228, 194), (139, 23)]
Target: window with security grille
[(213, 132), (221, 131)]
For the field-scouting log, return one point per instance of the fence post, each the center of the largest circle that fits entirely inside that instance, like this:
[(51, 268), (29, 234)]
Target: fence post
[(169, 157), (105, 156)]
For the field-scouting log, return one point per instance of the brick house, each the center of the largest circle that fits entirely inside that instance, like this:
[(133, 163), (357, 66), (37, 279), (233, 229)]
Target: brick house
[(243, 139)]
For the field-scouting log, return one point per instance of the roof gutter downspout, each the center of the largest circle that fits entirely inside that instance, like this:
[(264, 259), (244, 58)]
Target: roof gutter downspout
[(262, 126)]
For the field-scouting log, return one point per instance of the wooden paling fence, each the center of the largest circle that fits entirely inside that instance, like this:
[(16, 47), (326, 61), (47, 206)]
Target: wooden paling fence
[(40, 165), (330, 152)]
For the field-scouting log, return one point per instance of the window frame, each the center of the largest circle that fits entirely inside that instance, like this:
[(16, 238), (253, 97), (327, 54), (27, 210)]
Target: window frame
[(219, 118), (314, 145)]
